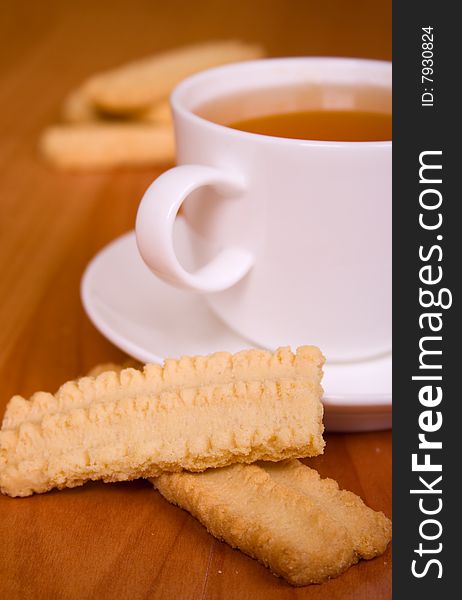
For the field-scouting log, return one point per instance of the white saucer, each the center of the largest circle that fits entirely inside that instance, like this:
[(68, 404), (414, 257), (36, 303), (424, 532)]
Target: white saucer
[(150, 321)]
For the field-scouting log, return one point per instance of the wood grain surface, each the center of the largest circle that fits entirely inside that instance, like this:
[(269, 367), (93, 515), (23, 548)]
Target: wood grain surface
[(123, 540)]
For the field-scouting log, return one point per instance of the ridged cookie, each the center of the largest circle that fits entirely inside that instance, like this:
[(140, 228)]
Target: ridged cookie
[(102, 145), (139, 84), (192, 413), (78, 109), (300, 526)]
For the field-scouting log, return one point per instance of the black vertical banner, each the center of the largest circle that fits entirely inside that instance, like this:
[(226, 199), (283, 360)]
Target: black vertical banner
[(427, 268)]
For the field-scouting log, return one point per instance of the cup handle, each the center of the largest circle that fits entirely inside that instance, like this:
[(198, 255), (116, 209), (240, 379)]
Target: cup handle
[(154, 230)]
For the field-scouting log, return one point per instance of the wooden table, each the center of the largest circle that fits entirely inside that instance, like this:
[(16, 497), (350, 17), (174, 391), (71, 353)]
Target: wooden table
[(124, 540)]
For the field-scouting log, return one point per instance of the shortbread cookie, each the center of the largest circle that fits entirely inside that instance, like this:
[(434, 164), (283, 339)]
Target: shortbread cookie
[(104, 367), (138, 85), (192, 413), (368, 530), (158, 113), (96, 146), (300, 526), (78, 108)]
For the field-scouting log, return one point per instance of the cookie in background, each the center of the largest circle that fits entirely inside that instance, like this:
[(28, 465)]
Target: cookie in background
[(121, 117)]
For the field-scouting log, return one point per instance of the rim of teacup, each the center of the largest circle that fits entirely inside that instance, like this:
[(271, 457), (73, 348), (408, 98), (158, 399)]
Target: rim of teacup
[(372, 72)]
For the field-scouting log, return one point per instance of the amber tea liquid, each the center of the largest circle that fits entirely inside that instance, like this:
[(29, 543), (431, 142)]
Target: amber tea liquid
[(328, 125), (328, 113)]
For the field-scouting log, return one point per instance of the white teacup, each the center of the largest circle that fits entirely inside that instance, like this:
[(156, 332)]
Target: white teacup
[(301, 229)]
